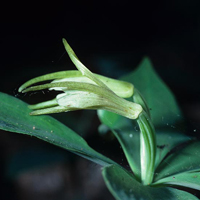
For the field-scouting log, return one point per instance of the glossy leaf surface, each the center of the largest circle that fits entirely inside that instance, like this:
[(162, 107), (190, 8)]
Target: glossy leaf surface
[(186, 159), (15, 117), (123, 186), (159, 98), (190, 180), (166, 141), (127, 133)]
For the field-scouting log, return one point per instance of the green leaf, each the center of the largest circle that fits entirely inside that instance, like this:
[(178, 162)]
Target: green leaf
[(190, 180), (185, 159), (159, 98), (123, 186), (166, 141), (15, 117), (113, 120), (127, 133), (130, 142)]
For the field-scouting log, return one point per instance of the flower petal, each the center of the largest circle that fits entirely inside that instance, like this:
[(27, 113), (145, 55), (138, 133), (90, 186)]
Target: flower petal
[(120, 88), (88, 100), (81, 99)]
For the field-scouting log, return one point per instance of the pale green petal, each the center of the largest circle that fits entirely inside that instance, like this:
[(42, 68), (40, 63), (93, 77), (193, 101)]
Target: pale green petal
[(86, 100), (81, 79), (81, 100), (120, 88), (131, 112)]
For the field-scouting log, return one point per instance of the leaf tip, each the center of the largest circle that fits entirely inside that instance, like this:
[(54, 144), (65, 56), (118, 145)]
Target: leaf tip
[(64, 40)]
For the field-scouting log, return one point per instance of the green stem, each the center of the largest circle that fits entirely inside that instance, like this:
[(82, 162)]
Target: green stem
[(147, 148), (147, 141)]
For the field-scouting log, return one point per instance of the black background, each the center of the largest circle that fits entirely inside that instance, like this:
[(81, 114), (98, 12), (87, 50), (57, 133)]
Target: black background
[(110, 37), (122, 32)]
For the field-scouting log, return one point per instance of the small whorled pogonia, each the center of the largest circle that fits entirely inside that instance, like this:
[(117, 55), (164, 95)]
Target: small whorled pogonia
[(83, 89)]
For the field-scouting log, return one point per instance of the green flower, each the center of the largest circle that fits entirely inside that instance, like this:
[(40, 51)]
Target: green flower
[(82, 89)]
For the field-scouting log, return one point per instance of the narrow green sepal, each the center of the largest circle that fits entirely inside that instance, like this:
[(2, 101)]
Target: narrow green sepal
[(84, 70), (50, 76), (45, 104)]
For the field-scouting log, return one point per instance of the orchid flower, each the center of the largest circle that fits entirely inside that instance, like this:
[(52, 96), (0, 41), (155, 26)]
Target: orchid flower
[(82, 89)]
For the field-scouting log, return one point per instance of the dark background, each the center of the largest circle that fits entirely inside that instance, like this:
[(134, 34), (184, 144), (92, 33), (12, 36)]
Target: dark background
[(110, 38)]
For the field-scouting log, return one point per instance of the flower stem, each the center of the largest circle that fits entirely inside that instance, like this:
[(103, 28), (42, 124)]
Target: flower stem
[(147, 141), (147, 148)]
